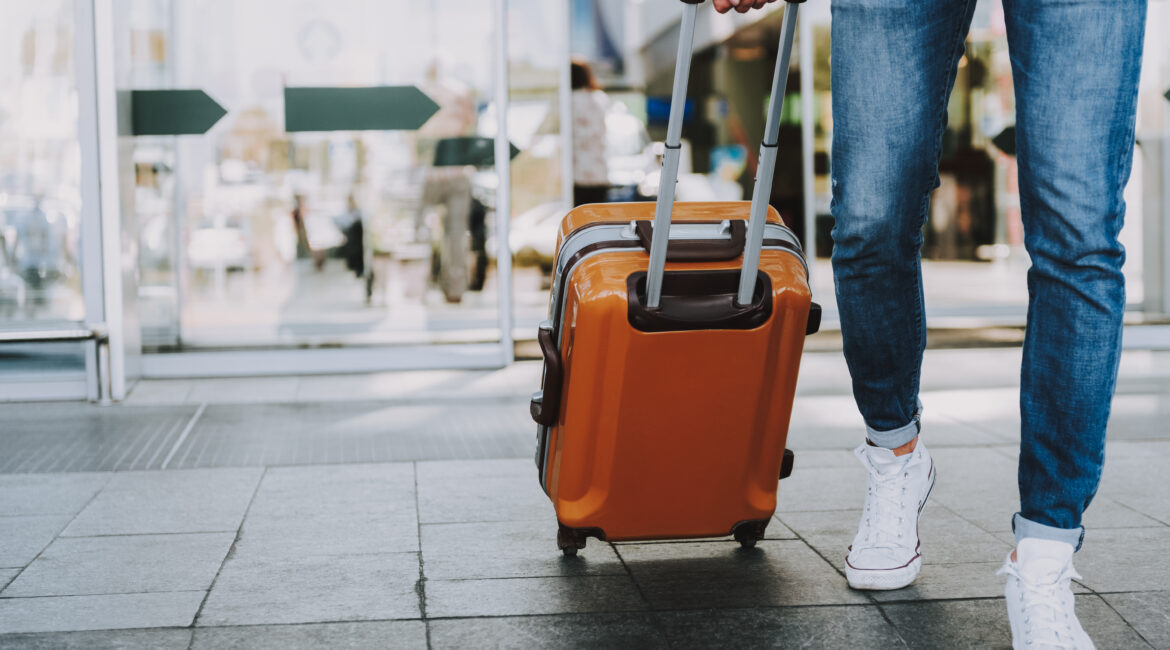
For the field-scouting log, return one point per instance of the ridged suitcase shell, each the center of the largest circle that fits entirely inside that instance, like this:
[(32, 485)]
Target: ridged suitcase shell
[(668, 434)]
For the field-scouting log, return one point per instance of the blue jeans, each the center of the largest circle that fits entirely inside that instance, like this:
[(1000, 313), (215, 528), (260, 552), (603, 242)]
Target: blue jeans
[(1075, 65)]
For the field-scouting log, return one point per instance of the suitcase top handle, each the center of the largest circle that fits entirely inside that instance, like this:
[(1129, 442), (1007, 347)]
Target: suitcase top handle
[(670, 159)]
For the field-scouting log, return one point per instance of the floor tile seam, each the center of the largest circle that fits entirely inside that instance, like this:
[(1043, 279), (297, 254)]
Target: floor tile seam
[(230, 552), (167, 534), (534, 520), (943, 599), (1124, 620), (926, 562), (485, 521), (248, 559), (1138, 512), (959, 513), (550, 577), (781, 513), (108, 478), (290, 465), (424, 399), (933, 445), (600, 574), (420, 587), (111, 629), (886, 617), (650, 610), (867, 595), (235, 626), (655, 620), (104, 593)]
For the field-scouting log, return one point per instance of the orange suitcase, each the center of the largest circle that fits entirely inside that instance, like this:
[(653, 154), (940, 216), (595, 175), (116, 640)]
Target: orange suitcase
[(671, 355)]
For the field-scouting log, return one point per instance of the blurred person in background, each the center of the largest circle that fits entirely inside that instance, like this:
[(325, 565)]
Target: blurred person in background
[(304, 250), (1075, 68), (40, 251), (590, 104), (353, 249), (449, 187)]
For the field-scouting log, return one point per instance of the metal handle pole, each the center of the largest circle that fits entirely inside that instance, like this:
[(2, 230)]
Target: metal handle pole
[(670, 158), (767, 164)]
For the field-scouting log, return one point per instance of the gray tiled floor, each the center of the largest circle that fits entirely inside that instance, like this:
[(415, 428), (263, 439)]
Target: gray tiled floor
[(314, 589), (23, 538), (99, 612), (128, 564), (380, 634), (156, 639), (295, 527), (186, 501)]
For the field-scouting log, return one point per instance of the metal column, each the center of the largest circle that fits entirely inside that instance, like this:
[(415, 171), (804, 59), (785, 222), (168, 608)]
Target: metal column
[(808, 141), (504, 186)]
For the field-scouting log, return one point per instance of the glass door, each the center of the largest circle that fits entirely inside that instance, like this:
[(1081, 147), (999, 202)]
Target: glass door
[(291, 225)]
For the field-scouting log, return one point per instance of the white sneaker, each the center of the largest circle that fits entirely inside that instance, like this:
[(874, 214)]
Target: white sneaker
[(1040, 598), (885, 552)]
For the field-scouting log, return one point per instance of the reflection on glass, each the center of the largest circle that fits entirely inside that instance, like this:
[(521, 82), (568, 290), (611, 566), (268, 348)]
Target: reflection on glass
[(251, 235), (39, 166)]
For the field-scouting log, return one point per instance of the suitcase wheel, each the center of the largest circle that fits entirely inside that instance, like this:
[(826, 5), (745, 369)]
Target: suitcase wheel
[(570, 540), (747, 533)]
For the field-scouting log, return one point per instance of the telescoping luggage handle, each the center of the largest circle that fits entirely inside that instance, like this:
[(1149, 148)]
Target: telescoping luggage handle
[(670, 159)]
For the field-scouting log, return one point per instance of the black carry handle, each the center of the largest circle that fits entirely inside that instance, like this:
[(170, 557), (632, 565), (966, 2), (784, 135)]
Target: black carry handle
[(697, 250), (544, 410)]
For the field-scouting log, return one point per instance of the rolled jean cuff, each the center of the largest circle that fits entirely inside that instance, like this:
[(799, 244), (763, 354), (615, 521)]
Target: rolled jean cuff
[(1027, 528), (895, 438)]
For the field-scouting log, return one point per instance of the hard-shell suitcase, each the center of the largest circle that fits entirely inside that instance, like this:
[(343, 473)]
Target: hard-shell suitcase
[(671, 355)]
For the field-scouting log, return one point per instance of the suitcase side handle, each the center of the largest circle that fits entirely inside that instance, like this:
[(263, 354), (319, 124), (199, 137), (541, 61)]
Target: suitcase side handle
[(546, 403), (698, 250)]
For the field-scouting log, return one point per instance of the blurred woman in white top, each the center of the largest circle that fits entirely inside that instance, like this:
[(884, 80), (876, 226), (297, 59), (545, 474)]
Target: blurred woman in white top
[(590, 104)]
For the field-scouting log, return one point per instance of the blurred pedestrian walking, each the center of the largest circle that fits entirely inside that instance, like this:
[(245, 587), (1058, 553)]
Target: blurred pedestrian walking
[(590, 105)]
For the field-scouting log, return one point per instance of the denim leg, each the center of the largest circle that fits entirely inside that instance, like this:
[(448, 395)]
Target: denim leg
[(1075, 67), (894, 64)]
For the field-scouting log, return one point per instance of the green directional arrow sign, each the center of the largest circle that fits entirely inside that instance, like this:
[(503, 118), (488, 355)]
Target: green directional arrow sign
[(173, 112), (377, 108), (1006, 141), (480, 152)]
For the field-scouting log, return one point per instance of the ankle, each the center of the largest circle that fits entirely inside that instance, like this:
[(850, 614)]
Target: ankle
[(899, 451)]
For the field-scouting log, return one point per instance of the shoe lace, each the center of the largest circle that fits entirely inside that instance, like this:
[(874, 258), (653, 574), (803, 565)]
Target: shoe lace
[(885, 517), (1048, 623)]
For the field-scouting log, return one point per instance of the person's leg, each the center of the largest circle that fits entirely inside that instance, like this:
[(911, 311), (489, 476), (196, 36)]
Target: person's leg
[(894, 64), (1075, 68), (453, 275)]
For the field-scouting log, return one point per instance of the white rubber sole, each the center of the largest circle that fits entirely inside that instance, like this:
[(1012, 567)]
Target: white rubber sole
[(883, 579)]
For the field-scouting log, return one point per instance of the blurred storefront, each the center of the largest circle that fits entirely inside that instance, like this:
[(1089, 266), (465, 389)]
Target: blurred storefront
[(278, 237), (259, 241)]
